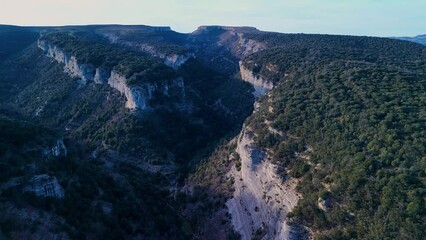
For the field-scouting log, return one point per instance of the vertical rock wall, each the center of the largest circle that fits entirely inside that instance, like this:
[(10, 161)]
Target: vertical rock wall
[(261, 199), (138, 96)]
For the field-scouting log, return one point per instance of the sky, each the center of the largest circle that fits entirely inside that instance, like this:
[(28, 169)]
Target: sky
[(348, 17)]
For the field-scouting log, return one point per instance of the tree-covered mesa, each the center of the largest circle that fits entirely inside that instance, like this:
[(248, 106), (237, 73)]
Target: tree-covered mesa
[(140, 66), (352, 111), (162, 40)]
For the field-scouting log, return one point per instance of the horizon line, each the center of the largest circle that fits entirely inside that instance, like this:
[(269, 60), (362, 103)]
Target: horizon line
[(199, 26)]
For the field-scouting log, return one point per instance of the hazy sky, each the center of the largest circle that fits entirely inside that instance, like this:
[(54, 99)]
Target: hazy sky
[(355, 17)]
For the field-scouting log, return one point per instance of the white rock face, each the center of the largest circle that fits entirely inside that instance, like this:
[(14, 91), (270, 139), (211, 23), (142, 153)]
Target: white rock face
[(59, 149), (172, 60), (261, 199), (249, 46), (102, 75), (44, 186), (138, 97), (85, 72), (234, 37), (261, 85), (175, 61)]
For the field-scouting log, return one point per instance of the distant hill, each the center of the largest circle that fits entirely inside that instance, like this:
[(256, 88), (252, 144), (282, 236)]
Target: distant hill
[(421, 39)]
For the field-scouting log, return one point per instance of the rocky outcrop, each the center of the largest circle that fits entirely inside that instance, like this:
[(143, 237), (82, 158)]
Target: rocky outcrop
[(261, 85), (324, 204), (248, 46), (85, 72), (233, 38), (175, 61), (44, 186), (57, 150), (138, 96), (261, 199), (102, 75), (172, 60)]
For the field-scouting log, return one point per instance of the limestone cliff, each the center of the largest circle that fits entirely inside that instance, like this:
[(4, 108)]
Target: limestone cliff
[(175, 61), (102, 75), (249, 46), (260, 84), (58, 149), (138, 96), (85, 72), (233, 38), (261, 199), (171, 59)]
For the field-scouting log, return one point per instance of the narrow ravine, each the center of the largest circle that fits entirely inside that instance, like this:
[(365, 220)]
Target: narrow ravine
[(262, 199)]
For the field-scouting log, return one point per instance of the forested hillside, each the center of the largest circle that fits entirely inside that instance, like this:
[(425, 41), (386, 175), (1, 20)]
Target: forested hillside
[(138, 132), (352, 117), (111, 172)]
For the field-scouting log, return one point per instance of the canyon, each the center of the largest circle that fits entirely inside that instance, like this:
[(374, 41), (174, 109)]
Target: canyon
[(139, 132)]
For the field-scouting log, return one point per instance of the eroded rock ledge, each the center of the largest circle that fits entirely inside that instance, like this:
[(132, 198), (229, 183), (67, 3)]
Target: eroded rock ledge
[(260, 84), (172, 60), (138, 96), (261, 199), (44, 186)]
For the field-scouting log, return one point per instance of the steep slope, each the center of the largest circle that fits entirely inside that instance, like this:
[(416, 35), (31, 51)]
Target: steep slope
[(340, 112), (71, 195), (262, 199), (14, 39), (222, 47), (23, 146), (131, 125), (135, 129), (159, 42), (195, 96), (338, 118), (119, 69)]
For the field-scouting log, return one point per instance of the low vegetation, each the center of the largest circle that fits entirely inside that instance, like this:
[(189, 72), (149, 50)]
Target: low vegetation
[(139, 66), (352, 113)]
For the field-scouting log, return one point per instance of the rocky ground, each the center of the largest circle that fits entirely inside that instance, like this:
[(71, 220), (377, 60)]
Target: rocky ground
[(261, 199)]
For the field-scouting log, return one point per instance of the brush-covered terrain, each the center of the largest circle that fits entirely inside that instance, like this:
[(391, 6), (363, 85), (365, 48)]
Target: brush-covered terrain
[(138, 132), (347, 119)]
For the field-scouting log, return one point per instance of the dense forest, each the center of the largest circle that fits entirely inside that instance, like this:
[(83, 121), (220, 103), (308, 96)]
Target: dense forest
[(162, 40), (346, 118), (96, 198), (135, 65), (122, 168), (353, 117)]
